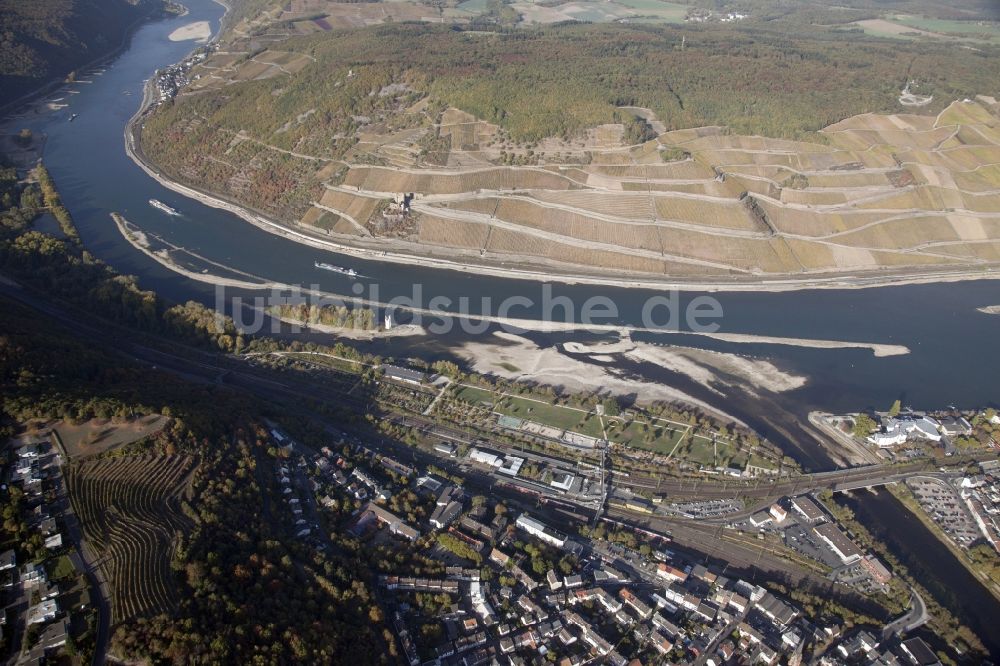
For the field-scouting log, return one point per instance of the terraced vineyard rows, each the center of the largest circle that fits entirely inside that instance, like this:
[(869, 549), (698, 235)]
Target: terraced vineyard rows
[(130, 513), (883, 191)]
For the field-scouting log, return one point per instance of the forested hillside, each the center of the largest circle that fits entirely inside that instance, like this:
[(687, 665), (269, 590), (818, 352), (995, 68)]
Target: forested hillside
[(247, 593), (41, 40), (560, 80)]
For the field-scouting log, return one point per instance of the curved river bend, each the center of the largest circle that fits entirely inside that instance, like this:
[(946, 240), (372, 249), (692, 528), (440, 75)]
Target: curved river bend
[(953, 358)]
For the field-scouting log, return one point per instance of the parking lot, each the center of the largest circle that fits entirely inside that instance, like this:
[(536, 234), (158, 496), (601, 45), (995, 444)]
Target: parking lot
[(801, 538), (944, 505)]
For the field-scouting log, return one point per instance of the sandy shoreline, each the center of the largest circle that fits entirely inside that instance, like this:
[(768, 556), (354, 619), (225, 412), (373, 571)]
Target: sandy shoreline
[(507, 354), (137, 239), (199, 31), (526, 361), (517, 358)]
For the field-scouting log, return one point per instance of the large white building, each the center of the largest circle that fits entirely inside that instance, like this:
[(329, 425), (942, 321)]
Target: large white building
[(846, 550), (897, 431), (541, 530), (485, 457)]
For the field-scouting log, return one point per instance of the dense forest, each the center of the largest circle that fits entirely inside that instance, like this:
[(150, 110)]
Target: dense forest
[(44, 372), (558, 80), (62, 268), (43, 40)]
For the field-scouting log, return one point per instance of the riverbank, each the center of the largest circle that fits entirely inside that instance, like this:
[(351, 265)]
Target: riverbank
[(398, 256), (854, 452), (501, 353), (901, 536), (348, 332), (29, 99), (199, 31), (140, 241), (905, 497), (465, 264), (517, 358), (134, 235)]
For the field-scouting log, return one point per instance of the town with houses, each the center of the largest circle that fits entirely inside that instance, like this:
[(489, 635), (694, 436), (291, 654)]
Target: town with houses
[(541, 570), (47, 594), (702, 15), (169, 80), (516, 588)]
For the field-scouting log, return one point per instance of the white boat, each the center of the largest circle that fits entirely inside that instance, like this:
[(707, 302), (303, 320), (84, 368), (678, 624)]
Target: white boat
[(156, 203), (335, 269)]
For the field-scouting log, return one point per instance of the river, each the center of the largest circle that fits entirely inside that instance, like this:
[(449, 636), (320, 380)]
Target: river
[(952, 361), (930, 562)]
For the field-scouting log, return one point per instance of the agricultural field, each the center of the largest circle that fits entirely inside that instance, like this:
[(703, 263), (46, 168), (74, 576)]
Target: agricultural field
[(308, 16), (129, 508), (645, 11), (879, 191), (912, 26)]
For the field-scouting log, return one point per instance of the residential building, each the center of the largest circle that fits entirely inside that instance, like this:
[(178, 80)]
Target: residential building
[(878, 571), (42, 612), (445, 515), (953, 426), (919, 653), (670, 573), (395, 524)]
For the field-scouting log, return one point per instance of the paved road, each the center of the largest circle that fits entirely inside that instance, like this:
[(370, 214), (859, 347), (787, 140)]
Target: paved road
[(296, 394), (917, 616), (85, 562), (215, 368)]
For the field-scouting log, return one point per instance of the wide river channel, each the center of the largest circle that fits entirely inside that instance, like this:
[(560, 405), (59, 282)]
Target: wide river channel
[(953, 359), (954, 354)]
